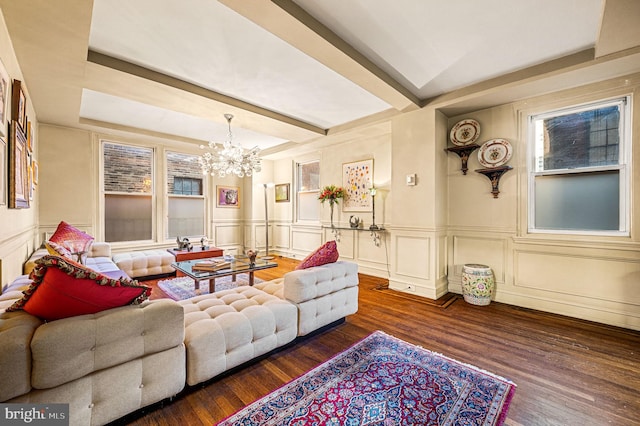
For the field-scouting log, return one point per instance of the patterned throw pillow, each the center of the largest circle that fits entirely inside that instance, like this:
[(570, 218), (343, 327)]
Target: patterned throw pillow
[(327, 253), (72, 239), (63, 288)]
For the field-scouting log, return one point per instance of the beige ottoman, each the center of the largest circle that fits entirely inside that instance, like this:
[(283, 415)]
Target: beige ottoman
[(145, 263), (231, 327)]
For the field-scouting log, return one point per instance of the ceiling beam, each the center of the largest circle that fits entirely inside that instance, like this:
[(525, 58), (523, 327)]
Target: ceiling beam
[(291, 23)]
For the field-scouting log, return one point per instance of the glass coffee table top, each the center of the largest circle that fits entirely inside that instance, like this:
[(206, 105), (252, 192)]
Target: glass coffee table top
[(236, 265)]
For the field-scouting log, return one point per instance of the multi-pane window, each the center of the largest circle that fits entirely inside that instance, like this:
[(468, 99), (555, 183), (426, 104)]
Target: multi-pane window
[(128, 192), (578, 180), (308, 189), (186, 201)]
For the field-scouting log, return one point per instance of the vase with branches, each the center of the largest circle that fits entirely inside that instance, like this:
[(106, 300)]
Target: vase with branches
[(332, 194)]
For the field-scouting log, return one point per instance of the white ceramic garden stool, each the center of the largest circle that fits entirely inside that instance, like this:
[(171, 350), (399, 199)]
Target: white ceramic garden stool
[(477, 284)]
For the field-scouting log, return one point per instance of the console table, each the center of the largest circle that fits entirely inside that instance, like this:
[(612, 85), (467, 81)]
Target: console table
[(375, 233)]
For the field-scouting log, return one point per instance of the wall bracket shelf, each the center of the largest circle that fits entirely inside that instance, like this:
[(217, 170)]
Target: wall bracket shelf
[(463, 152), (494, 176), (374, 233)]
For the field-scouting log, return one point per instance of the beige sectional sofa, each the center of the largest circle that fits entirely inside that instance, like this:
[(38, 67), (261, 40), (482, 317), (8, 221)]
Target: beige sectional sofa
[(117, 361)]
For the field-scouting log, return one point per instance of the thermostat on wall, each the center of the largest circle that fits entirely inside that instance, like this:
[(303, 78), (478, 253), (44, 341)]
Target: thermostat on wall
[(411, 179)]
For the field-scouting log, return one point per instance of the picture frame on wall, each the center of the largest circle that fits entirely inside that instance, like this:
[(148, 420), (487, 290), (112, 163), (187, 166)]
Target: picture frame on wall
[(5, 86), (19, 105), (282, 191), (357, 179), (3, 172), (228, 196), (18, 177)]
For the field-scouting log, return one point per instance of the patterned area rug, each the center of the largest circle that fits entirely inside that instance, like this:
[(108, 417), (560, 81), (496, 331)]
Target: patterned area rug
[(184, 287), (383, 380)]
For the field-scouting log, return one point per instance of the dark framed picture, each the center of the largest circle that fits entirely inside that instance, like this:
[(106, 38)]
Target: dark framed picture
[(3, 172), (282, 192), (19, 105), (228, 196), (18, 177)]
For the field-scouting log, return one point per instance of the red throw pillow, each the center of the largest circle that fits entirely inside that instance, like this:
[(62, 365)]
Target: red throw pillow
[(71, 238), (327, 253), (63, 288)]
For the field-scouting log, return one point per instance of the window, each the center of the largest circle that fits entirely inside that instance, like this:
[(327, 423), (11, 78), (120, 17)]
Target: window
[(308, 190), (186, 204), (579, 169), (128, 192)]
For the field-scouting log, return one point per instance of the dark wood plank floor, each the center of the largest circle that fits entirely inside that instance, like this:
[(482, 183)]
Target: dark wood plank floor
[(568, 371)]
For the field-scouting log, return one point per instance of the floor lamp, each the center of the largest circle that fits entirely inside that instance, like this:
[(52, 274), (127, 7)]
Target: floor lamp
[(266, 221)]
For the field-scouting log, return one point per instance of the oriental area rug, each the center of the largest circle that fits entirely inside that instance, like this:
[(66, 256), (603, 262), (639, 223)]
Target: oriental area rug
[(184, 287), (382, 380)]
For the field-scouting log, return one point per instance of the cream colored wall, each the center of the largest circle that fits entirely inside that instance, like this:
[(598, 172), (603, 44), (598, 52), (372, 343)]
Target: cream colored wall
[(18, 227), (590, 277)]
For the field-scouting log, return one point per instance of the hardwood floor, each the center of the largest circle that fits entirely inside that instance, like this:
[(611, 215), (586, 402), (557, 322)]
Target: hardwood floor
[(568, 371)]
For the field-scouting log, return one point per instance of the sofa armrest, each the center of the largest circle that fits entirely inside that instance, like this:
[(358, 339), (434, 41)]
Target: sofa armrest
[(70, 348), (100, 249), (311, 283)]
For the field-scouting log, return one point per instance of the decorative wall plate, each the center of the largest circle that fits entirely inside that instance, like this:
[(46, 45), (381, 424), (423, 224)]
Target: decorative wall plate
[(465, 132), (495, 153)]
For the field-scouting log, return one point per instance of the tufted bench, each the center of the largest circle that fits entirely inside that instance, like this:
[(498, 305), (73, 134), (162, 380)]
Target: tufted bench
[(230, 327), (145, 263)]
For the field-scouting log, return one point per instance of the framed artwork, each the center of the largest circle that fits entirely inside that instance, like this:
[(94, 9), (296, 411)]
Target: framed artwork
[(29, 135), (282, 192), (357, 178), (228, 196), (18, 178), (5, 85), (3, 172), (19, 105), (36, 171)]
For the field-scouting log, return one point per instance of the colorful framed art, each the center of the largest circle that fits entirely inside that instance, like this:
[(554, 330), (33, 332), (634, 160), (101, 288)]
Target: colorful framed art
[(5, 85), (18, 177), (228, 196), (19, 105), (357, 179)]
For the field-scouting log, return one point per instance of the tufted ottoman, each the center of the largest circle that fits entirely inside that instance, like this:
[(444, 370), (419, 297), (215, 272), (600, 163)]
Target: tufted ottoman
[(145, 263), (230, 327)]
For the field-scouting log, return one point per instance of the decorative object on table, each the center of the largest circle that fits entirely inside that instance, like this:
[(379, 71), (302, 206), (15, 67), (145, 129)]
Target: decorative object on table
[(266, 221), (495, 153), (18, 179), (332, 194), (203, 245), (477, 284), (282, 192), (228, 196), (184, 244), (230, 158), (184, 287), (211, 265), (494, 174), (384, 380), (465, 132), (373, 191), (354, 221), (251, 254), (357, 178)]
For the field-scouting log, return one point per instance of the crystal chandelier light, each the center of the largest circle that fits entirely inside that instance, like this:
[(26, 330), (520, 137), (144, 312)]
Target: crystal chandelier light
[(230, 158)]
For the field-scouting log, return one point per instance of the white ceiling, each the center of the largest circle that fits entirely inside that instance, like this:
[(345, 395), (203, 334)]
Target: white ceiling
[(293, 71), (428, 46)]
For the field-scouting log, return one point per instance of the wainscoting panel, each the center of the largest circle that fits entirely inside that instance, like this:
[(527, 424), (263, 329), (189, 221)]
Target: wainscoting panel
[(413, 256), (369, 251), (346, 241), (228, 235), (282, 236), (479, 249), (594, 277), (305, 240)]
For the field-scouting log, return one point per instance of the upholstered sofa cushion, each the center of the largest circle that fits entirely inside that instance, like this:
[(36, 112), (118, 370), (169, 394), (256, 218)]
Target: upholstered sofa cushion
[(62, 288), (145, 263), (230, 327), (327, 253)]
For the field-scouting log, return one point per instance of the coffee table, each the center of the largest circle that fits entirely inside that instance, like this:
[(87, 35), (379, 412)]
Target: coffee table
[(238, 265)]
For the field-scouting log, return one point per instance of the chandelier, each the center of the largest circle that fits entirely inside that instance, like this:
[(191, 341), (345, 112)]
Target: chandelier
[(230, 158)]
